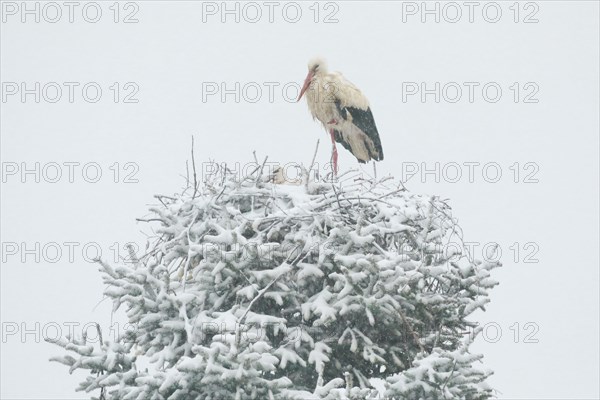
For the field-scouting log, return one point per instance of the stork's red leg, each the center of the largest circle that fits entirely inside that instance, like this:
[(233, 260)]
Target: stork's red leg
[(334, 152)]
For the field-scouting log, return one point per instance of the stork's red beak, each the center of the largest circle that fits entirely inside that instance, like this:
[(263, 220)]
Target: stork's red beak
[(307, 81)]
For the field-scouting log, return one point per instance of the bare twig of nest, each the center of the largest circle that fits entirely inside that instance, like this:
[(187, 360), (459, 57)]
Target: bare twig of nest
[(194, 170), (312, 164)]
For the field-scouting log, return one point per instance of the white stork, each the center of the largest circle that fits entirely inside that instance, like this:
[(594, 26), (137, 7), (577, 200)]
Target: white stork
[(344, 111)]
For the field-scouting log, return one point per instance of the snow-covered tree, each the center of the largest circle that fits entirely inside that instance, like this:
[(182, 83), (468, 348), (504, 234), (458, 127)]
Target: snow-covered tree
[(259, 290)]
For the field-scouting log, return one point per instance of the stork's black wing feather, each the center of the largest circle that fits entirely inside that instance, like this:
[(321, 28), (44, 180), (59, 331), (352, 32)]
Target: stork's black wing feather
[(363, 119), (340, 139)]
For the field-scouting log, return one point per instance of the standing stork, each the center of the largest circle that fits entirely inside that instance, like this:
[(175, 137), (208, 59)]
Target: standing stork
[(344, 111)]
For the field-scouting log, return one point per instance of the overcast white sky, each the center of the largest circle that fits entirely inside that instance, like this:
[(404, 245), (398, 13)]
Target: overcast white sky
[(540, 132)]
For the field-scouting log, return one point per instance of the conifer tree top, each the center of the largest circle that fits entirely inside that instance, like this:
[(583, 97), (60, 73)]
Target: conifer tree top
[(312, 290)]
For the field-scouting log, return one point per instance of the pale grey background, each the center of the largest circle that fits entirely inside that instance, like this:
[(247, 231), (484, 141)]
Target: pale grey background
[(170, 52)]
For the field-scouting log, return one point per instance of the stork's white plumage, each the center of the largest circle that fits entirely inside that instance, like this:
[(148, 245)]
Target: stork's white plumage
[(343, 110)]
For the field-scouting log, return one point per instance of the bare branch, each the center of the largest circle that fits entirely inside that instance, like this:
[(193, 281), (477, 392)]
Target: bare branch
[(194, 169), (261, 170), (312, 163)]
